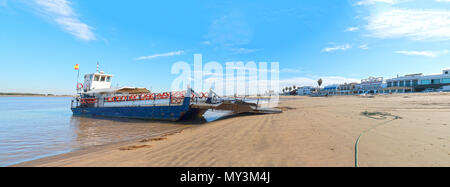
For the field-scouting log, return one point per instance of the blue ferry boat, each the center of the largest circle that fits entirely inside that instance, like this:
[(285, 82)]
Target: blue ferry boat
[(97, 97)]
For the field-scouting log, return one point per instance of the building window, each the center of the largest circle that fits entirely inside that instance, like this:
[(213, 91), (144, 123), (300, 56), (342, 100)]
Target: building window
[(408, 83), (402, 83), (436, 81), (415, 82), (425, 82), (389, 84), (395, 83), (447, 80)]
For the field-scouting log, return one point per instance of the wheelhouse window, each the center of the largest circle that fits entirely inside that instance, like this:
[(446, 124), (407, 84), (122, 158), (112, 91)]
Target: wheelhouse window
[(103, 79), (97, 77), (108, 79)]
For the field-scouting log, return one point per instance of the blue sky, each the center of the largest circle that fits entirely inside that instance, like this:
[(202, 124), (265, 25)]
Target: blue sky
[(139, 40)]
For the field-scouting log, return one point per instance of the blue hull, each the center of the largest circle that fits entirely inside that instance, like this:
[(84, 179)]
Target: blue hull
[(167, 113)]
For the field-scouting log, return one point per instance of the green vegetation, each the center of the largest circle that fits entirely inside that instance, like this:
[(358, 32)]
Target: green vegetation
[(379, 115)]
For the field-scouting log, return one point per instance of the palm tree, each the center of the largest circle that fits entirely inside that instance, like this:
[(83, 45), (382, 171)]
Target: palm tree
[(320, 82)]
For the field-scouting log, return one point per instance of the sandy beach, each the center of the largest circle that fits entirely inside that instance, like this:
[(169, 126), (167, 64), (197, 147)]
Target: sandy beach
[(411, 130)]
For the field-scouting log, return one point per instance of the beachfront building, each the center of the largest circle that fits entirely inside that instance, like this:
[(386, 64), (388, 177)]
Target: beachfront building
[(371, 85), (347, 89), (305, 90), (419, 83), (331, 89)]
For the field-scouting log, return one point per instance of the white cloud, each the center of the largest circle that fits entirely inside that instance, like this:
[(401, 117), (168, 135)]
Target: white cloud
[(351, 29), (413, 24), (372, 2), (423, 53), (364, 47), (230, 29), (291, 70), (243, 50), (174, 53), (230, 32), (337, 48), (206, 43), (64, 15), (305, 81)]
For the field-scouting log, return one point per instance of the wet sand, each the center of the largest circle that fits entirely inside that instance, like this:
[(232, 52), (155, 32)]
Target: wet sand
[(310, 132)]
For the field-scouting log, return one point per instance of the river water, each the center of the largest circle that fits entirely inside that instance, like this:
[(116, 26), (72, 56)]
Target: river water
[(37, 127)]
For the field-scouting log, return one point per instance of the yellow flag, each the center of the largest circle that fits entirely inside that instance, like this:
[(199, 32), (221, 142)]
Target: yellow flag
[(77, 67)]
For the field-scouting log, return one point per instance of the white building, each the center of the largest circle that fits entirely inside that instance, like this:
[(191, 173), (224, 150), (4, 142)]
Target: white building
[(306, 90), (419, 83), (370, 85), (331, 89)]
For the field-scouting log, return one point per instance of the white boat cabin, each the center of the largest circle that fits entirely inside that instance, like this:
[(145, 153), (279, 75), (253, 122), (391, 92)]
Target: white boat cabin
[(98, 80)]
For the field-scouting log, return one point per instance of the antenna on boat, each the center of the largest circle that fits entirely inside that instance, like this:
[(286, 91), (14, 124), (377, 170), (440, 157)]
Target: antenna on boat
[(98, 67), (188, 91)]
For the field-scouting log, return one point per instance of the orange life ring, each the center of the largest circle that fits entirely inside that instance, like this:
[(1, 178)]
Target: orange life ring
[(159, 96), (79, 86), (178, 94), (166, 95)]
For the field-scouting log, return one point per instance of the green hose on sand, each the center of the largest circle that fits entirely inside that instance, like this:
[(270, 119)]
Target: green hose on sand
[(366, 131)]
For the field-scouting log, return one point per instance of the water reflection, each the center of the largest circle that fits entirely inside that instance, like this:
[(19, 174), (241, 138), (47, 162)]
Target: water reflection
[(90, 131)]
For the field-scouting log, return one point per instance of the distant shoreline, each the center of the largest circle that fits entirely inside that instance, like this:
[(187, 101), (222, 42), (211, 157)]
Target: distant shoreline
[(31, 95)]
